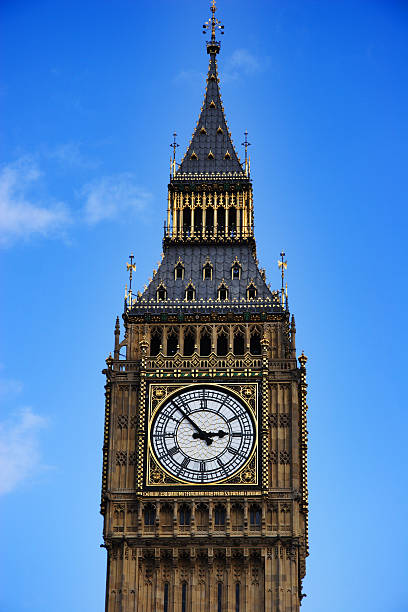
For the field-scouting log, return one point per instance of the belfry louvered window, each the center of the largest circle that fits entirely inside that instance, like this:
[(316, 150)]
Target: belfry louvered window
[(223, 292), (190, 293), (179, 271)]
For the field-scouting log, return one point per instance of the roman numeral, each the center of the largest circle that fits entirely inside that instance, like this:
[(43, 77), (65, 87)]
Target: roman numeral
[(202, 466), (220, 463), (172, 451), (203, 403)]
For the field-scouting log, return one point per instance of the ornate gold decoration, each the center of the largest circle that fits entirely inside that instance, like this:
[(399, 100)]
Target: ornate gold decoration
[(158, 394)]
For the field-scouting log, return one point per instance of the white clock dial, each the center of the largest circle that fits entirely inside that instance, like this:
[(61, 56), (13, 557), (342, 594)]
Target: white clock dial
[(202, 435)]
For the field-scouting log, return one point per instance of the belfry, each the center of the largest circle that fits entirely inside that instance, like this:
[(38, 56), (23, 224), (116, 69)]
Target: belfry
[(204, 485)]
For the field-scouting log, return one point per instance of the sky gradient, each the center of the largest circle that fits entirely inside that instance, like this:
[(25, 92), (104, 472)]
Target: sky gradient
[(90, 94)]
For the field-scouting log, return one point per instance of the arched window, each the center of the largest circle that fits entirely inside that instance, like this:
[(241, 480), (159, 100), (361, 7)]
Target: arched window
[(222, 343), (207, 271), (232, 219), (198, 220), (219, 516), (190, 292), (237, 517), (155, 341), (236, 270), (166, 597), (219, 597), (255, 342), (161, 293), (255, 517), (201, 517), (179, 271), (223, 292), (149, 515), (209, 220), (251, 292), (221, 220), (187, 220), (172, 342), (205, 342), (166, 517), (239, 342), (184, 597), (189, 341), (185, 515)]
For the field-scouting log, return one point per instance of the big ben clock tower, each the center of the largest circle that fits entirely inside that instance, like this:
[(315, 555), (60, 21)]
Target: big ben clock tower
[(204, 487)]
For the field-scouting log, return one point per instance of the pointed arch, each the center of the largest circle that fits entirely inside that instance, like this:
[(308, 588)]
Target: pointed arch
[(190, 292), (179, 270), (189, 341), (155, 341), (236, 269), (222, 342), (172, 341), (251, 291), (207, 270), (255, 341), (239, 341), (161, 293), (205, 341), (222, 291)]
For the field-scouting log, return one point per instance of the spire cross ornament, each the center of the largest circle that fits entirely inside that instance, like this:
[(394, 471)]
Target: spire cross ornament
[(131, 267), (174, 146), (246, 144), (214, 24), (283, 266)]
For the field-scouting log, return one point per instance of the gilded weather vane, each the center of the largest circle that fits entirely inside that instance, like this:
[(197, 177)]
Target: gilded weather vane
[(283, 266), (247, 144), (131, 267), (174, 146), (213, 23)]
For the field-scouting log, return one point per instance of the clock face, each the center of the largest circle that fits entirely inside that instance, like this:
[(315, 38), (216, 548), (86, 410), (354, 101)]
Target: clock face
[(202, 435)]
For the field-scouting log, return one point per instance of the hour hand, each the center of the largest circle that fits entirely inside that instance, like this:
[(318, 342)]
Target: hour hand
[(202, 435), (218, 433)]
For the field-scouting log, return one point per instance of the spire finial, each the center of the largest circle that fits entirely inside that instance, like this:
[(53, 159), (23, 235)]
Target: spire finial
[(246, 144), (131, 267), (174, 146), (213, 46), (283, 266)]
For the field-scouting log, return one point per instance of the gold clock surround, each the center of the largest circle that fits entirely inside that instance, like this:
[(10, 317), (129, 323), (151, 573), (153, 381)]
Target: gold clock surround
[(247, 475)]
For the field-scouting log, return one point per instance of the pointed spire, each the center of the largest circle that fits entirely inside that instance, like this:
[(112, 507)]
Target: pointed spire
[(211, 150)]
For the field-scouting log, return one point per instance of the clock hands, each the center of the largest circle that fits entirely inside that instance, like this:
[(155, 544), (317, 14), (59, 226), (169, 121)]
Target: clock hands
[(219, 433), (200, 434)]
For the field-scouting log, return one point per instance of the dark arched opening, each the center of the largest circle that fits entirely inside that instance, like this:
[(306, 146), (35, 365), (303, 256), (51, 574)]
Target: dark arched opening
[(205, 343), (239, 343), (172, 343), (222, 344)]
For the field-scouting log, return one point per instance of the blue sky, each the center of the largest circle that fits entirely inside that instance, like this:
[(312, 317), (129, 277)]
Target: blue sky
[(90, 94)]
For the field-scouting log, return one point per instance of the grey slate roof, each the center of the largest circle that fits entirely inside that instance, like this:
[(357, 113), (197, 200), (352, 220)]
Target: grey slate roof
[(211, 119), (222, 257)]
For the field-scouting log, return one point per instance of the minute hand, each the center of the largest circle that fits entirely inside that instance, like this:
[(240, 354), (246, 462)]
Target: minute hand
[(203, 434)]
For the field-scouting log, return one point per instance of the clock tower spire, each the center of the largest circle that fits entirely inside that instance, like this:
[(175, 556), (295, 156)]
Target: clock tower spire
[(204, 486)]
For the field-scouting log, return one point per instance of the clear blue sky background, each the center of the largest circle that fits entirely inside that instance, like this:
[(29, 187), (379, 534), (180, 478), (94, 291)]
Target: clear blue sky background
[(91, 92)]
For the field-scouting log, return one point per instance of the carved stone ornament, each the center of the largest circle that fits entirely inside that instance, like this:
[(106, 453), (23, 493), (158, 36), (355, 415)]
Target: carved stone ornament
[(273, 456), (121, 457), (284, 420), (284, 457), (122, 421), (273, 420)]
